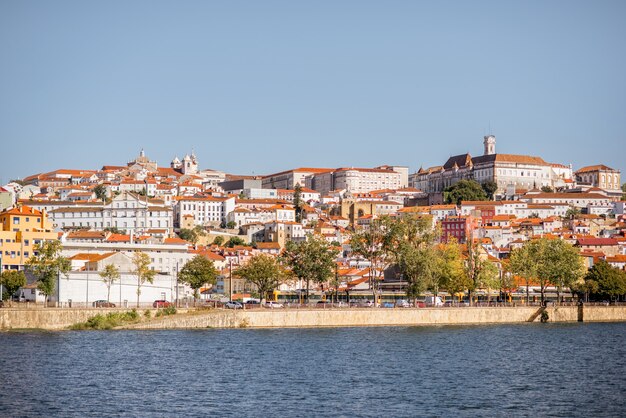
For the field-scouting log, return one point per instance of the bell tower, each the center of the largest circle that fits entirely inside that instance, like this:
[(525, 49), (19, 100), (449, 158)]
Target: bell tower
[(490, 145)]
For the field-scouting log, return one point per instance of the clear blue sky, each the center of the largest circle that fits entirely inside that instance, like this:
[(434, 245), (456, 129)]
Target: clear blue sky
[(263, 86)]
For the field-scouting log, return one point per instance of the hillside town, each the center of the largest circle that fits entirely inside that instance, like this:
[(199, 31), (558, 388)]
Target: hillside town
[(487, 206)]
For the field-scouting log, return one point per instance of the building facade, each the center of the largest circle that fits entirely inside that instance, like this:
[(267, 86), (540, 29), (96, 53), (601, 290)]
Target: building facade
[(21, 228), (510, 172)]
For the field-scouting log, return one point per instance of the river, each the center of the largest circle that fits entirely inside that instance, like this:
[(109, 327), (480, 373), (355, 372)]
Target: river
[(501, 370)]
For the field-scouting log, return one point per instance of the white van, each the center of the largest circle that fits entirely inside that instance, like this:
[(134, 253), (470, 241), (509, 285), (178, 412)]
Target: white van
[(433, 301)]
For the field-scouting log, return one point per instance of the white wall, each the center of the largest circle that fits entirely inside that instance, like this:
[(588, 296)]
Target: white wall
[(81, 285)]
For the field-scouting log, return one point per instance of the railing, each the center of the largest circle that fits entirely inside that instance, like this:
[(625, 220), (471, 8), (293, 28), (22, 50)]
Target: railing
[(200, 304)]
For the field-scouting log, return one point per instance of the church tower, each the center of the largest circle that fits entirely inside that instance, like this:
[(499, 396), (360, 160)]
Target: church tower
[(490, 145)]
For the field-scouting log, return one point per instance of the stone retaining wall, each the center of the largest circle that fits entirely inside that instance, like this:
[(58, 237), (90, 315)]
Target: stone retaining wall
[(56, 319), (51, 318)]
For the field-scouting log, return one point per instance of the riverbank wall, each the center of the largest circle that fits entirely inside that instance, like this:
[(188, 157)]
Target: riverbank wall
[(57, 319), (52, 318), (315, 318)]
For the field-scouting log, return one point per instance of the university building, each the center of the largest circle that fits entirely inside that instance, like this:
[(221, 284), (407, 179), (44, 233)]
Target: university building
[(512, 173)]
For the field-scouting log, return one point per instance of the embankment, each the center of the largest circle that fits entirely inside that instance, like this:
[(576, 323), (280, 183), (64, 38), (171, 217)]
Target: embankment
[(56, 319), (383, 317), (50, 318)]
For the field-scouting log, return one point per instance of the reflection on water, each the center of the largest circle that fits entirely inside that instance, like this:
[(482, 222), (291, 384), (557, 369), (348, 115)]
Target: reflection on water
[(506, 370)]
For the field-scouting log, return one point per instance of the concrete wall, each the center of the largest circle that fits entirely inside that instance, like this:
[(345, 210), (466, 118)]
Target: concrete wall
[(605, 313), (358, 317), (55, 318), (50, 318)]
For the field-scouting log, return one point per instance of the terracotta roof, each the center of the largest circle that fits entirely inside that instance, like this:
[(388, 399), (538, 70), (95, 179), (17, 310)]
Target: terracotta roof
[(297, 170), (597, 167), (594, 242), (118, 238), (619, 258), (510, 158), (22, 211), (268, 246), (86, 234), (175, 241)]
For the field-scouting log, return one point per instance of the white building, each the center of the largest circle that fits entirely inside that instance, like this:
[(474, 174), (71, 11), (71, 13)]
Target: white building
[(205, 210), (128, 212), (358, 180), (164, 258), (85, 285), (508, 171)]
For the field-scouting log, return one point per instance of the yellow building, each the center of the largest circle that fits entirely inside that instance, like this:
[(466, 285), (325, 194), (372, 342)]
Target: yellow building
[(20, 229)]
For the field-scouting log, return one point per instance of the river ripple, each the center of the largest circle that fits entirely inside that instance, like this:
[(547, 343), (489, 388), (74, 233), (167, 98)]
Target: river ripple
[(505, 370)]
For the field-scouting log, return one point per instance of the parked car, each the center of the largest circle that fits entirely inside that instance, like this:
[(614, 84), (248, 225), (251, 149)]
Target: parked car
[(387, 305), (253, 302), (273, 305), (103, 304), (367, 303), (161, 303), (233, 305), (403, 303)]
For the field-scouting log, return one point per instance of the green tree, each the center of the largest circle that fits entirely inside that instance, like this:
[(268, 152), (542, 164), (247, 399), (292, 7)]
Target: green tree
[(464, 190), (547, 189), (218, 240), (548, 261), (231, 224), (265, 272), (490, 187), (572, 213), (449, 272), (481, 273), (101, 192), (47, 264), (297, 202), (141, 270), (109, 275), (200, 231), (232, 241), (312, 260), (188, 235), (11, 280), (113, 230), (377, 244), (604, 281), (624, 191), (415, 253), (507, 280), (563, 265), (197, 272)]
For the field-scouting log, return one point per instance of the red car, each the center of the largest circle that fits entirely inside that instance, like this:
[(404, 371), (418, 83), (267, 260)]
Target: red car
[(161, 303)]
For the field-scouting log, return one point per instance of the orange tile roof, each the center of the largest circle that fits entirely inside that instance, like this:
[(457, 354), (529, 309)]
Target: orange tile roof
[(597, 167)]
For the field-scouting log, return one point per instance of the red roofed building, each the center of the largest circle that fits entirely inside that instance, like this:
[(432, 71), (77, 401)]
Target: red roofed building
[(608, 246)]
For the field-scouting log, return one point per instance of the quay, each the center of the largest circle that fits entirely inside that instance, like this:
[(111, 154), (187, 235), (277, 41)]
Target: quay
[(62, 318)]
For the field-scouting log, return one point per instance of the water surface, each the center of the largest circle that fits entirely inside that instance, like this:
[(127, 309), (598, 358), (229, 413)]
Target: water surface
[(503, 370)]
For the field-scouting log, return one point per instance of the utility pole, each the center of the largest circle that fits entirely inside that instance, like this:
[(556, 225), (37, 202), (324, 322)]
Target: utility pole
[(177, 284), (230, 273)]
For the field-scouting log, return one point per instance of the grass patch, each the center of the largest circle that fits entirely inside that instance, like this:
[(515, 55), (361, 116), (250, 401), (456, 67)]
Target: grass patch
[(108, 321), (170, 310)]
